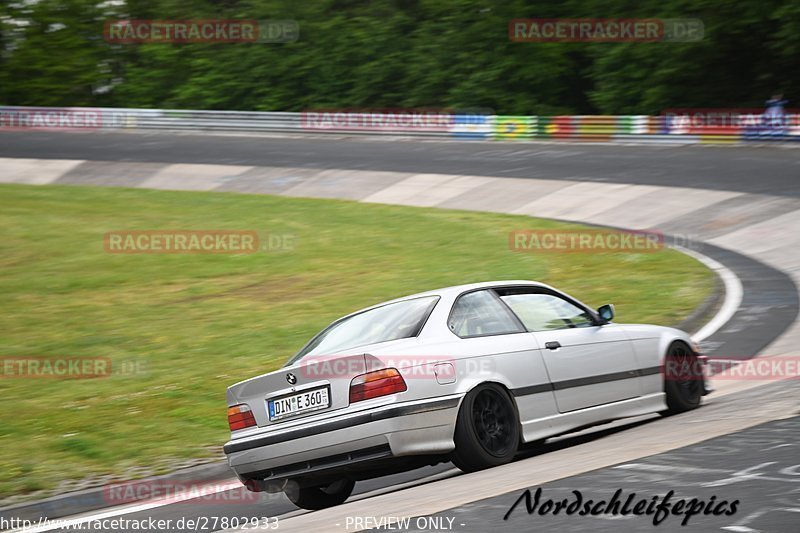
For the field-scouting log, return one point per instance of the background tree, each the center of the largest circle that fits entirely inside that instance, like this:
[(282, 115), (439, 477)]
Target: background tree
[(400, 53)]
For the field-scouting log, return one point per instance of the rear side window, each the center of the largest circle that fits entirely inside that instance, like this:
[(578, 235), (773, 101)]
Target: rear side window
[(481, 313)]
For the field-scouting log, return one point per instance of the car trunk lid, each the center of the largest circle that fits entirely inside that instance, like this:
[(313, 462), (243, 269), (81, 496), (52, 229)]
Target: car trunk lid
[(312, 386)]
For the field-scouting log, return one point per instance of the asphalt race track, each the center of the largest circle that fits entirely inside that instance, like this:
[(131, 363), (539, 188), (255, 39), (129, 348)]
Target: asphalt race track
[(743, 444), (729, 468), (766, 170)]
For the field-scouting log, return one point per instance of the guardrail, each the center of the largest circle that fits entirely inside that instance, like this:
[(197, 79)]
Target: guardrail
[(436, 124)]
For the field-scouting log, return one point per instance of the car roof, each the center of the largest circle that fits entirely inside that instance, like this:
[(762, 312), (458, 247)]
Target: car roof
[(452, 292), (458, 289)]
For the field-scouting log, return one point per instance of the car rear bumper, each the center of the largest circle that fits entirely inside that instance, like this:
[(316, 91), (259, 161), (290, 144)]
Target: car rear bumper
[(423, 427)]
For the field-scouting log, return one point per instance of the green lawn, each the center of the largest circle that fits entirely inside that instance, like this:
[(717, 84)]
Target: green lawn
[(197, 323)]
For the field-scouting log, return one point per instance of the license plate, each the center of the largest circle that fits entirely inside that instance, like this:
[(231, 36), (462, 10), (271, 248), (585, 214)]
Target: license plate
[(302, 402)]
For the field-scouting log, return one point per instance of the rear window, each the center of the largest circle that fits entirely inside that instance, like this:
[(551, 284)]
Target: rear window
[(388, 322)]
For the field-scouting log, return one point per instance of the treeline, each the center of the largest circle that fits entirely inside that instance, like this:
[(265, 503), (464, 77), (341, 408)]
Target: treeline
[(400, 53)]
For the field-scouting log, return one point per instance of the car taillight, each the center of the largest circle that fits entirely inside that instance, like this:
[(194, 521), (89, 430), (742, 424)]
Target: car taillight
[(240, 417), (374, 384)]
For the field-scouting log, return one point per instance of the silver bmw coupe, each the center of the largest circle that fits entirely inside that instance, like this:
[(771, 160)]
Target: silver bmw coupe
[(464, 374)]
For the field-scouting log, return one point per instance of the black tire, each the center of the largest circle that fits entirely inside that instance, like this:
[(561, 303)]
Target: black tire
[(487, 429), (316, 497), (683, 379)]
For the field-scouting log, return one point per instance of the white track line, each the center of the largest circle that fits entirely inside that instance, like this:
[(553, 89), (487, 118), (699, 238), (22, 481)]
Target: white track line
[(733, 294)]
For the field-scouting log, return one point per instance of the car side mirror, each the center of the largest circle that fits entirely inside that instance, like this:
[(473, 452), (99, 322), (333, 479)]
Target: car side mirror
[(606, 312)]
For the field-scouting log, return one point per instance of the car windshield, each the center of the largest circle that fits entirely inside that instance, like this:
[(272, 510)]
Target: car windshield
[(388, 322)]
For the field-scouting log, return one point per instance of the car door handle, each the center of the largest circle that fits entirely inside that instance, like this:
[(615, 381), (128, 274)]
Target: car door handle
[(552, 345)]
